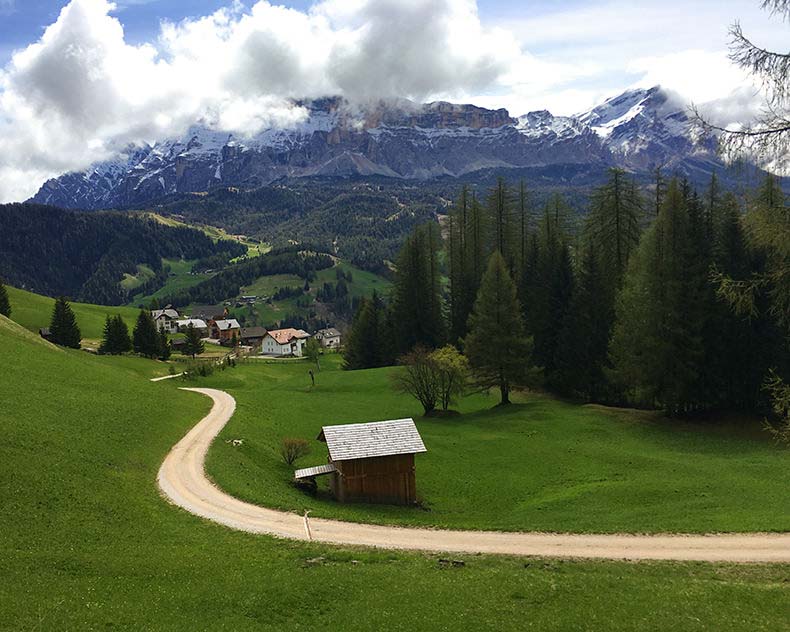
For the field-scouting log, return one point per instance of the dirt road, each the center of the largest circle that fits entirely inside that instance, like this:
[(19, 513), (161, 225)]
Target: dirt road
[(183, 481)]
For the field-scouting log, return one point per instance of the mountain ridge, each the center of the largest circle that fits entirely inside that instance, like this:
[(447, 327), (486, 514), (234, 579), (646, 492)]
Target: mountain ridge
[(638, 130)]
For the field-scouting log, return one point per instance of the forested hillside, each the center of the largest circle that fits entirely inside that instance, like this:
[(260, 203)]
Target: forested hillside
[(85, 255)]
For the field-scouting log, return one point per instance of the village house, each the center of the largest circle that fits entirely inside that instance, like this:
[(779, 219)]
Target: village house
[(328, 338), (197, 323), (253, 336), (166, 319), (284, 342), (224, 330), (370, 462)]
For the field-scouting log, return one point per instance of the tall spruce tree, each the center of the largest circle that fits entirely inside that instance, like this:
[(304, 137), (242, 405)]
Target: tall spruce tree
[(116, 338), (581, 357), (552, 286), (63, 327), (656, 346), (503, 224), (368, 344), (164, 350), (5, 303), (145, 337), (193, 343), (417, 293), (497, 346)]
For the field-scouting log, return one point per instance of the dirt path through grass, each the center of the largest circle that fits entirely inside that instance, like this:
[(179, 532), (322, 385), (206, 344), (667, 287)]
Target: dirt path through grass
[(183, 481)]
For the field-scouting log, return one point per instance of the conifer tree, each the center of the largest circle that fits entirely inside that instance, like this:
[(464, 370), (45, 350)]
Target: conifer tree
[(193, 343), (5, 304), (164, 350), (583, 344), (656, 346), (503, 229), (497, 346), (368, 341), (116, 336), (417, 298), (145, 337), (63, 327), (613, 225)]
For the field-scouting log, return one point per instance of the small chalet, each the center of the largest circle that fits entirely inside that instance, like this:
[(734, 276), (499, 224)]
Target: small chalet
[(166, 319), (284, 342), (224, 330), (197, 323), (372, 462), (329, 338), (253, 336)]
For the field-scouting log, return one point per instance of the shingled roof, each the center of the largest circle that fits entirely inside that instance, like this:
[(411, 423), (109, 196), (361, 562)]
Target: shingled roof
[(378, 438)]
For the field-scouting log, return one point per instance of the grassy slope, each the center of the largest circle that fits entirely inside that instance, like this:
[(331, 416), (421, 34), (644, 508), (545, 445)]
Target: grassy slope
[(539, 465), (363, 284), (34, 311), (180, 278), (88, 542)]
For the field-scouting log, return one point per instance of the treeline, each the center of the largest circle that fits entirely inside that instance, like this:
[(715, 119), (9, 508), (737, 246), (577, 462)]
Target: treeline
[(296, 260), (85, 255), (635, 306)]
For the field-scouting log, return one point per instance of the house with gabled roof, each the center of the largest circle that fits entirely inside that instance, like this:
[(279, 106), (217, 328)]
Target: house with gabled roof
[(284, 342), (370, 462), (166, 319), (329, 338), (224, 330)]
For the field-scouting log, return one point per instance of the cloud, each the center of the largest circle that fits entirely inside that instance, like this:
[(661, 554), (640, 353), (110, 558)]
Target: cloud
[(82, 93)]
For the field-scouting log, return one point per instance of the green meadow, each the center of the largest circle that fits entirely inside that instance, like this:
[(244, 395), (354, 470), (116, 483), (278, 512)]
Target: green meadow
[(540, 464), (89, 543)]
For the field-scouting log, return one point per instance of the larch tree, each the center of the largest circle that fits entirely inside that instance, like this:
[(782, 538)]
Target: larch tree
[(498, 349), (768, 136)]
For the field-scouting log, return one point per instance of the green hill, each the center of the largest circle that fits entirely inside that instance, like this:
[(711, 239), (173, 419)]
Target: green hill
[(88, 543), (34, 311)]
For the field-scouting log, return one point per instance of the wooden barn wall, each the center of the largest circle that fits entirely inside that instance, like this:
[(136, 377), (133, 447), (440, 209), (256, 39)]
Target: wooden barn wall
[(387, 479)]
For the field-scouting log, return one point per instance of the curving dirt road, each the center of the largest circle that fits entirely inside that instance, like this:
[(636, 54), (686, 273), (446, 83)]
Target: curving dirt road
[(182, 480)]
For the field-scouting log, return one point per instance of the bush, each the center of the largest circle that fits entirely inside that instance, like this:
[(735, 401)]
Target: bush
[(292, 449)]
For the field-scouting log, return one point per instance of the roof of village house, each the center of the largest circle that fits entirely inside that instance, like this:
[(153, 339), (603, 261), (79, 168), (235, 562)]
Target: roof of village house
[(197, 323), (224, 325), (378, 438), (284, 336), (253, 332), (329, 332), (167, 312)]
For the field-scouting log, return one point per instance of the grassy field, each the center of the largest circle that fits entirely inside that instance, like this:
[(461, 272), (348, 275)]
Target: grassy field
[(180, 278), (88, 543), (540, 464), (363, 284), (34, 311)]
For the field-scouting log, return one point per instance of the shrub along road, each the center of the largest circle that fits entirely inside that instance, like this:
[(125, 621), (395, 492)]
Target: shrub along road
[(183, 480)]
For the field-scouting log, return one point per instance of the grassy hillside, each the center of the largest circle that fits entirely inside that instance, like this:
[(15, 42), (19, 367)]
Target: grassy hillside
[(538, 465), (179, 278), (34, 311), (88, 542)]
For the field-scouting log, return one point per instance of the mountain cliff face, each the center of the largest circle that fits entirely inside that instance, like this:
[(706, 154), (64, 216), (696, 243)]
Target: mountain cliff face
[(638, 130)]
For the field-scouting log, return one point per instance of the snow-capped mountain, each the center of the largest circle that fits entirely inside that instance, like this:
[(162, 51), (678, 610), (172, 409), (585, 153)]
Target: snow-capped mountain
[(638, 130)]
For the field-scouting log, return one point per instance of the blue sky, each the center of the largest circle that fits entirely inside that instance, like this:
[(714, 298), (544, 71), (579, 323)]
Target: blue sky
[(82, 80)]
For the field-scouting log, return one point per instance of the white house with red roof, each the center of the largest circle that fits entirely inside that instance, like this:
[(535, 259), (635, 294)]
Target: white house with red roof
[(284, 342)]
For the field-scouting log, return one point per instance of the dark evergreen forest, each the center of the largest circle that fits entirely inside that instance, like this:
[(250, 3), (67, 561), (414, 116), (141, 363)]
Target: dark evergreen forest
[(85, 255)]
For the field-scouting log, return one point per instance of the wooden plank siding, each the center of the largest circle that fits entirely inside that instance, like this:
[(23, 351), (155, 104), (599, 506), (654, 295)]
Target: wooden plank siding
[(384, 479)]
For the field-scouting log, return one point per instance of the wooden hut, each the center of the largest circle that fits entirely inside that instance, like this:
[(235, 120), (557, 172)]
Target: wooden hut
[(371, 462)]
